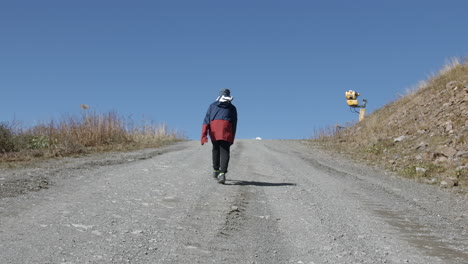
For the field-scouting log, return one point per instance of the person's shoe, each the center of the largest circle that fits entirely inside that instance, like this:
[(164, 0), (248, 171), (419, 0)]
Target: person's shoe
[(222, 178), (215, 174)]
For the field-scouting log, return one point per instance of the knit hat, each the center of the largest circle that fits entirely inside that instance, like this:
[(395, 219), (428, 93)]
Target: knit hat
[(225, 92), (224, 96)]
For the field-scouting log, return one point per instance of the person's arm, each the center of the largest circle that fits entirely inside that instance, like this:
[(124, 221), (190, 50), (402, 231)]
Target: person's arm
[(205, 127)]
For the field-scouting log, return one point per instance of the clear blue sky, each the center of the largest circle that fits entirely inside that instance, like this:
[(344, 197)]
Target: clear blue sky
[(287, 63)]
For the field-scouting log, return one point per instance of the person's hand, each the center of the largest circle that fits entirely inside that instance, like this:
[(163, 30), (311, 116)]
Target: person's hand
[(204, 140)]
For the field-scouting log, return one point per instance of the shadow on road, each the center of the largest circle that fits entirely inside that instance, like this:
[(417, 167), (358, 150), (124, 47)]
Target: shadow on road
[(257, 183)]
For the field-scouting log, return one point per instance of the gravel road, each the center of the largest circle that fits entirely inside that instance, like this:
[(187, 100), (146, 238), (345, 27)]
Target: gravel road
[(283, 202)]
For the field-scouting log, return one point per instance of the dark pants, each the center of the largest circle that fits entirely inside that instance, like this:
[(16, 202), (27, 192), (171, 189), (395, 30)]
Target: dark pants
[(221, 155)]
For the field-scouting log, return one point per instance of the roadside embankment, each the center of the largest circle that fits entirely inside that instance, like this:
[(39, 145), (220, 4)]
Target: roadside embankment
[(423, 135)]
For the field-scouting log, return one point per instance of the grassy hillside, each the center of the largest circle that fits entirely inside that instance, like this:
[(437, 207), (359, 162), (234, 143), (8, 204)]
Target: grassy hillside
[(423, 135), (76, 135)]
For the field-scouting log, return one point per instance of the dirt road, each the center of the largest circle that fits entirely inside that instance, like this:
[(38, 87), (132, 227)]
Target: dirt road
[(283, 202)]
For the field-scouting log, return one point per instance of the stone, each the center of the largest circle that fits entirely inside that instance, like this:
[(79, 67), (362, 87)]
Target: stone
[(462, 154), (422, 146), (431, 181), (451, 85), (327, 248), (420, 170), (448, 152), (439, 157), (448, 126), (399, 139), (449, 182)]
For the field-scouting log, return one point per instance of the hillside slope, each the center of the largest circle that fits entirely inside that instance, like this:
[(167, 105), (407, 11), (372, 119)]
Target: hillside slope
[(423, 135)]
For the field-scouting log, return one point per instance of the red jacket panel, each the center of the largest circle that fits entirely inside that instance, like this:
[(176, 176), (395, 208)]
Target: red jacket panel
[(220, 122)]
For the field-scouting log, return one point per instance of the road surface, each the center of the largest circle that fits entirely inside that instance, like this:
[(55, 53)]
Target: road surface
[(283, 202)]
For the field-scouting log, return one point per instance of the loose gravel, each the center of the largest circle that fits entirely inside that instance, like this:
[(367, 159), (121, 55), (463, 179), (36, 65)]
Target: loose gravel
[(283, 202)]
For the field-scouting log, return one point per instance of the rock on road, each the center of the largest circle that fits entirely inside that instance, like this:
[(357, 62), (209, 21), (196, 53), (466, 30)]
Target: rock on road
[(283, 202)]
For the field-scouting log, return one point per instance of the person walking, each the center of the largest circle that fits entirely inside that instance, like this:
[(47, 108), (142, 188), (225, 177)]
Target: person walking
[(221, 124)]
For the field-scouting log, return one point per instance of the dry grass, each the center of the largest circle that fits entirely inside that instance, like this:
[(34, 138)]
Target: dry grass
[(75, 135), (147, 135)]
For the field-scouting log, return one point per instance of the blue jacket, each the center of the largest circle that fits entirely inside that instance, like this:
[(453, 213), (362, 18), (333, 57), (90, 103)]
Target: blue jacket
[(220, 122)]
